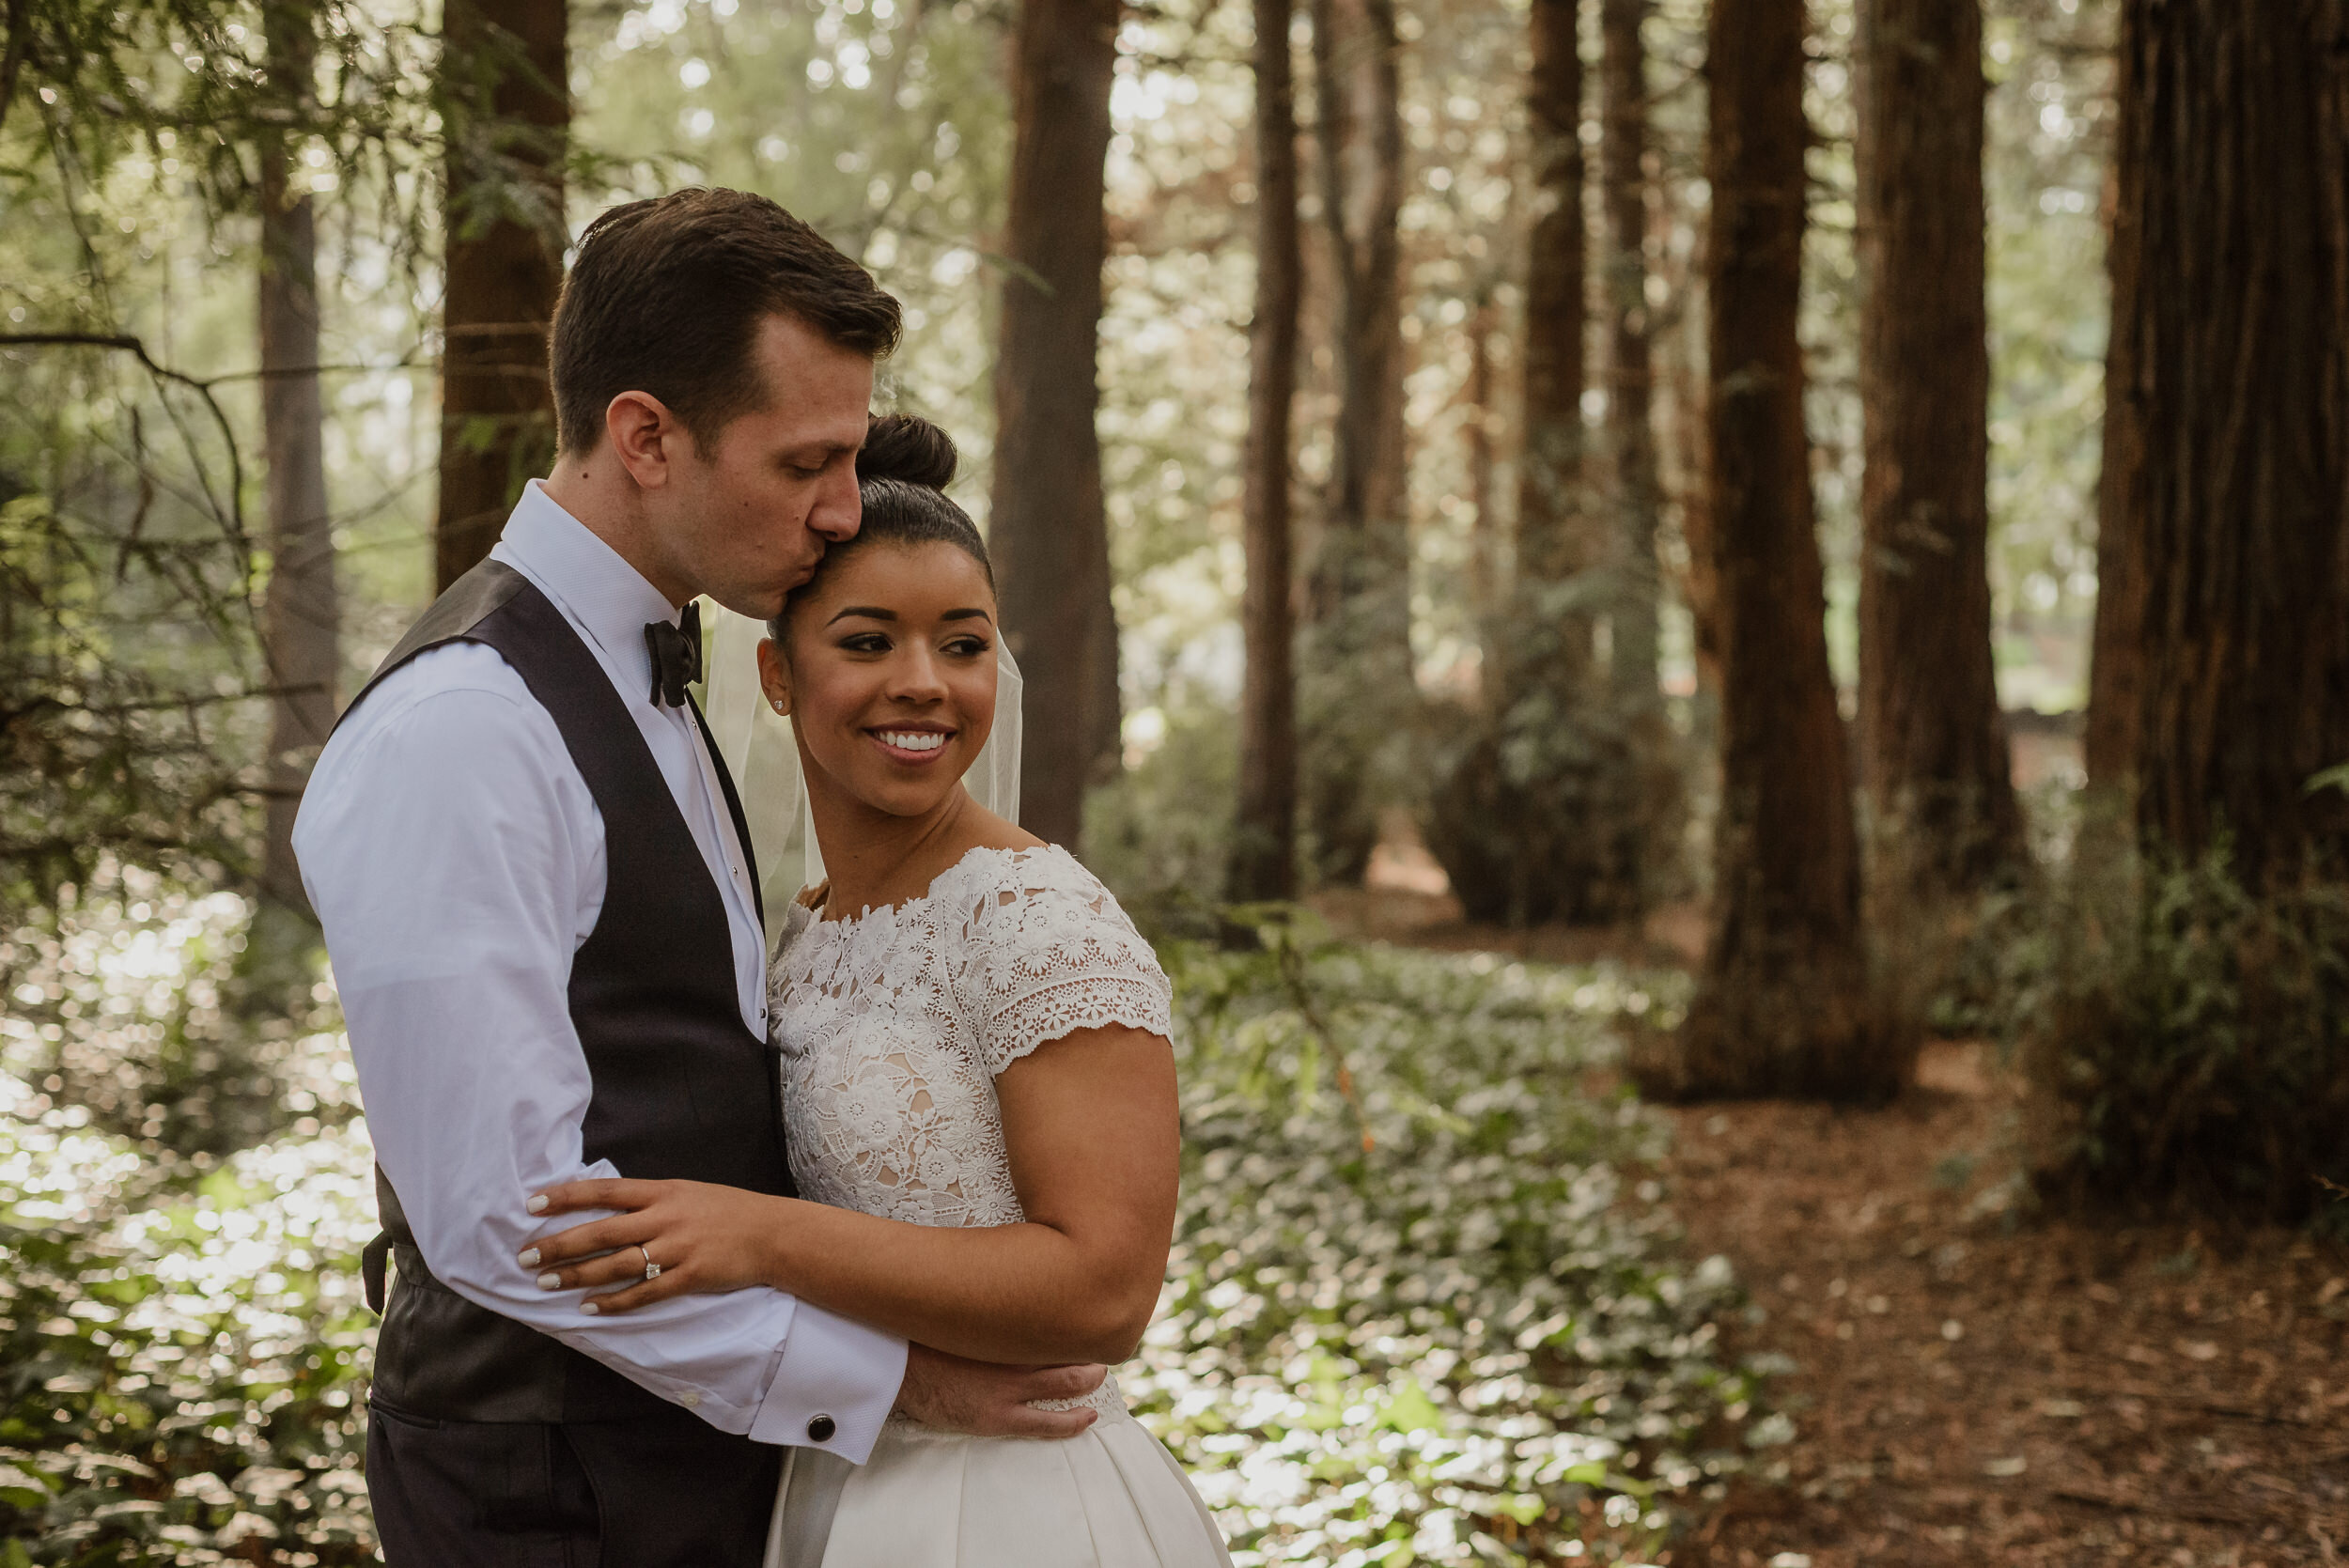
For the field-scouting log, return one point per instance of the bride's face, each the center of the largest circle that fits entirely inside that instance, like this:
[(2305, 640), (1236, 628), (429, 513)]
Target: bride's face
[(890, 673)]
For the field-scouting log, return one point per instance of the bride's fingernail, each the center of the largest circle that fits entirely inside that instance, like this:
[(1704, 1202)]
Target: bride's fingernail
[(589, 1307), (550, 1281), (530, 1257), (538, 1204)]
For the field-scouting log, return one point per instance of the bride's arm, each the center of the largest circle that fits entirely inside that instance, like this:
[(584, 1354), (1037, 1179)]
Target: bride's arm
[(1090, 1123)]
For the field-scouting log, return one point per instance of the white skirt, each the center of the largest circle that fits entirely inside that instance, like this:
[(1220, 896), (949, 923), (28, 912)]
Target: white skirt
[(1110, 1497)]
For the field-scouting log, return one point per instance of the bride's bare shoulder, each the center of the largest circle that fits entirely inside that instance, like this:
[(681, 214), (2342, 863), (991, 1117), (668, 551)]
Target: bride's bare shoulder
[(983, 830)]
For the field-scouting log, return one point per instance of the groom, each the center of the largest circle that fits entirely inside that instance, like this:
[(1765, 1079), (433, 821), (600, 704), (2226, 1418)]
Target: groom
[(537, 894)]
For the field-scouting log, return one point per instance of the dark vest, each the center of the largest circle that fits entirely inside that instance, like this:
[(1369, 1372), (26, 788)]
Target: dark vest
[(681, 1089)]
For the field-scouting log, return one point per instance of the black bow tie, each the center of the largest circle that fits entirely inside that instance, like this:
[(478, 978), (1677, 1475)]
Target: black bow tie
[(676, 655)]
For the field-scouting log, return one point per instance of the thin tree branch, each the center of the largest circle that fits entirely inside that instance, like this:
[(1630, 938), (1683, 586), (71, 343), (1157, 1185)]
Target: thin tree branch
[(129, 344)]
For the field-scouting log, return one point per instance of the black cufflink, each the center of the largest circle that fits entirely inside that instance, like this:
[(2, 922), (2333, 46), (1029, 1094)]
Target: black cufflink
[(820, 1428)]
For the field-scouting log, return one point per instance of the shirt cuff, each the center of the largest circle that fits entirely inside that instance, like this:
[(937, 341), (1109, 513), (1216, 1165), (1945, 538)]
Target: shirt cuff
[(833, 1385)]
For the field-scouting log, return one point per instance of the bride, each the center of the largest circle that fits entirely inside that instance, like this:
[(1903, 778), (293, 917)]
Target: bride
[(977, 1085)]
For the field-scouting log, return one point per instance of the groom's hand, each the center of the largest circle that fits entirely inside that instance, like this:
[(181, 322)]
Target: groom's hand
[(984, 1399)]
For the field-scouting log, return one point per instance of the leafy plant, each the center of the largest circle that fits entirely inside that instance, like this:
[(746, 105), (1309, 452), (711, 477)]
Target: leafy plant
[(1433, 1319), (2188, 1040)]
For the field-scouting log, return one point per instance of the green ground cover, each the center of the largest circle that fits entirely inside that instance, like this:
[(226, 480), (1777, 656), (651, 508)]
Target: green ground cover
[(1424, 1305)]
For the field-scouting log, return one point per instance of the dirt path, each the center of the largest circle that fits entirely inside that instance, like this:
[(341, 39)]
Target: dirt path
[(1975, 1383), (1976, 1388)]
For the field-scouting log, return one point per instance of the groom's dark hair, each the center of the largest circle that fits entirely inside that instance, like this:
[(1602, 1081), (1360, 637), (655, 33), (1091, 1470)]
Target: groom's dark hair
[(666, 295)]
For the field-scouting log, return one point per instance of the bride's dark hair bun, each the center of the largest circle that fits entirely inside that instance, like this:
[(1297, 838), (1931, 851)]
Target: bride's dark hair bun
[(911, 450)]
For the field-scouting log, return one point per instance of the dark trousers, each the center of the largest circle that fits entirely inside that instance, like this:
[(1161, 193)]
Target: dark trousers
[(674, 1493)]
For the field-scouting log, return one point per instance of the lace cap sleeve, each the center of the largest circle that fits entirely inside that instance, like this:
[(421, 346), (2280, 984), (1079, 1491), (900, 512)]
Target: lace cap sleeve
[(1051, 953)]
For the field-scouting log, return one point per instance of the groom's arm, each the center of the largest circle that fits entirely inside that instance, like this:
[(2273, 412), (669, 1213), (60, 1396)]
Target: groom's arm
[(456, 860)]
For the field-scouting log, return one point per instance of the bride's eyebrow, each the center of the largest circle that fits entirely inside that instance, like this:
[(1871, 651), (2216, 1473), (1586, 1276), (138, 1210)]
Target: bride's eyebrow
[(869, 612), (967, 615)]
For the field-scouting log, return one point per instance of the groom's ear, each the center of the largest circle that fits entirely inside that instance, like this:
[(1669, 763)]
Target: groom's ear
[(774, 676), (643, 432)]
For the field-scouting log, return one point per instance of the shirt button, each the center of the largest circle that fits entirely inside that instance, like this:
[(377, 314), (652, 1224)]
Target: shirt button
[(690, 1399), (819, 1429)]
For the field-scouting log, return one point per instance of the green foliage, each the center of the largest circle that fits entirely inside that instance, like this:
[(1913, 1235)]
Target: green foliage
[(1416, 1311), (2188, 1042), (182, 1347), (1161, 834), (181, 1338), (1557, 810), (119, 617), (137, 1002)]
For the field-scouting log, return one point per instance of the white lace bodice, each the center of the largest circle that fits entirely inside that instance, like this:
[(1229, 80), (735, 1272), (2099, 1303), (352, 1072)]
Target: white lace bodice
[(893, 1024)]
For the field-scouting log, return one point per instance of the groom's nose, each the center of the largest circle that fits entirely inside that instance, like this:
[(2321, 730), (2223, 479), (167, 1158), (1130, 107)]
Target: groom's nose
[(838, 509)]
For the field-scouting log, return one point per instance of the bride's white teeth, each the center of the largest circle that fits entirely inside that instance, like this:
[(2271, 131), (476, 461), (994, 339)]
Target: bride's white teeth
[(913, 740)]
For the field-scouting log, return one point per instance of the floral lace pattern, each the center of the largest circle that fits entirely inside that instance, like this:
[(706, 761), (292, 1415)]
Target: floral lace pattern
[(893, 1025)]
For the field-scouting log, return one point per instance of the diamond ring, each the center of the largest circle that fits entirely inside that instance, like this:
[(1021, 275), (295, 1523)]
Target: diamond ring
[(652, 1269)]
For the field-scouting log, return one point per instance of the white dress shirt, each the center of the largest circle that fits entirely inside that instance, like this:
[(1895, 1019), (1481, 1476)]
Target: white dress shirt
[(456, 859)]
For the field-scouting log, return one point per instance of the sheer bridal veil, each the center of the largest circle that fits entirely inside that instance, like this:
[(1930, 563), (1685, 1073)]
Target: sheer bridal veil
[(756, 744)]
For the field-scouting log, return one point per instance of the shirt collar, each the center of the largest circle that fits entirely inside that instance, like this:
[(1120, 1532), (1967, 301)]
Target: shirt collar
[(589, 581)]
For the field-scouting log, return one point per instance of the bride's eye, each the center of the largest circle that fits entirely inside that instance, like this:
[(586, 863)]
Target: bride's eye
[(968, 648), (865, 642)]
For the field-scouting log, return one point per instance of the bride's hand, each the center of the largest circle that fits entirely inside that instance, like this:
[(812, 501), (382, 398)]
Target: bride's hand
[(669, 1239)]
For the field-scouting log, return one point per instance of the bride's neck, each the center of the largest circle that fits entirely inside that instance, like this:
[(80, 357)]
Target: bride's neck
[(875, 858)]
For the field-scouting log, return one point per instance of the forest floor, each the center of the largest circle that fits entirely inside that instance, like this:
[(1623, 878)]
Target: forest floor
[(1974, 1384)]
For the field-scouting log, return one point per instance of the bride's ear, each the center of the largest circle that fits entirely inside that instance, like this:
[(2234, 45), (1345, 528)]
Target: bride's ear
[(774, 676)]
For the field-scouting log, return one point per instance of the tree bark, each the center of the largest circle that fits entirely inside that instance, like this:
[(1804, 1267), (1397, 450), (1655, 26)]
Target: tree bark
[(1264, 850), (1781, 1003), (1933, 743), (2109, 744), (16, 47), (1485, 552), (2222, 662), (1048, 532), (505, 108), (1630, 423), (301, 614), (1359, 698), (1553, 537)]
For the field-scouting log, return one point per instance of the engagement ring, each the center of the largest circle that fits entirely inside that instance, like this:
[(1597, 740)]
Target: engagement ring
[(652, 1269)]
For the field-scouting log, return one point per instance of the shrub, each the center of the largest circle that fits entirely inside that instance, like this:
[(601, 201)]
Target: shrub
[(2187, 1041), (181, 1347), (1159, 834), (1573, 819)]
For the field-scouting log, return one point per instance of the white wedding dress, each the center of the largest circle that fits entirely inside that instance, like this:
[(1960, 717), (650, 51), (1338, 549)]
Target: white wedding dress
[(893, 1026)]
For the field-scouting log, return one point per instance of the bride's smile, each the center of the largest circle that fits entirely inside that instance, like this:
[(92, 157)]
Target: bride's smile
[(887, 666)]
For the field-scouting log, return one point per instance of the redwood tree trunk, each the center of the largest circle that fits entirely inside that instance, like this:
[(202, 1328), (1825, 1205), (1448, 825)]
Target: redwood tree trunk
[(1484, 558), (302, 615), (2224, 658), (1782, 1004), (505, 107), (1630, 424), (1264, 848), (1047, 530), (1933, 744), (1358, 698), (1554, 530)]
